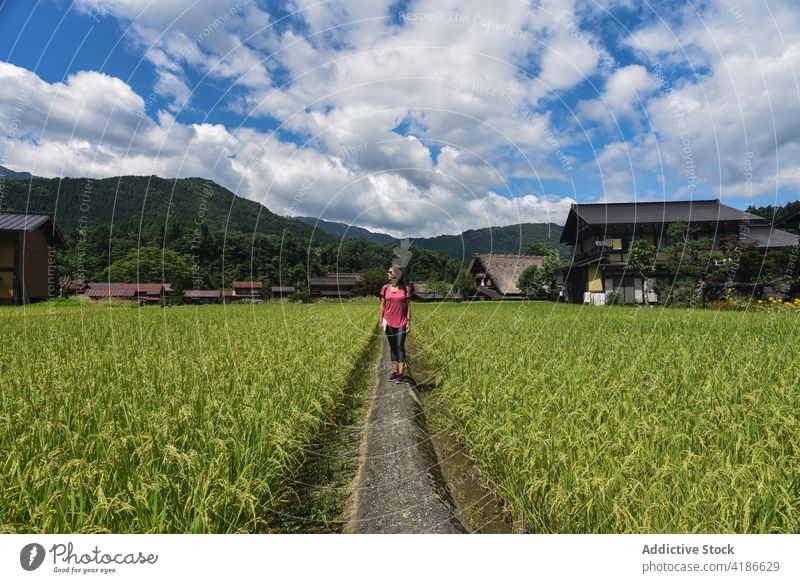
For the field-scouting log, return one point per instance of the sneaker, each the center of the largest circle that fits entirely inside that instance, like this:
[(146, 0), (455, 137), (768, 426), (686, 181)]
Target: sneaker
[(393, 376), (400, 379)]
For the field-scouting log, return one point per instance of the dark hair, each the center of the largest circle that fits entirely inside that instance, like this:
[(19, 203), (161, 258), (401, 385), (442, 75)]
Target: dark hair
[(401, 281)]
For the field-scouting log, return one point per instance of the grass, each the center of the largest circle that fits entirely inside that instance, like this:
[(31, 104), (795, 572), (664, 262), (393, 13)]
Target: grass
[(625, 420), (189, 419)]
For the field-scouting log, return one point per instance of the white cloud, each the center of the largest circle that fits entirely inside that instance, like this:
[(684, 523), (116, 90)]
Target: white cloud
[(624, 95), (743, 110), (286, 178)]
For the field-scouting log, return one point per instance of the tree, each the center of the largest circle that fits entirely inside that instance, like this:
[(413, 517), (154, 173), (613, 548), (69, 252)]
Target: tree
[(693, 260), (541, 278), (152, 265), (641, 260), (542, 249), (465, 284), (440, 289), (530, 281), (371, 282)]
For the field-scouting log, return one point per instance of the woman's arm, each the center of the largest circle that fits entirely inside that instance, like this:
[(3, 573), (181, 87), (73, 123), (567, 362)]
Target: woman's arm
[(383, 305)]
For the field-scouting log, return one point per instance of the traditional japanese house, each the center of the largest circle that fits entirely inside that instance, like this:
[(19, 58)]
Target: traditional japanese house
[(75, 286), (143, 293), (601, 235), (27, 246), (247, 290), (202, 296), (496, 274), (332, 285), (281, 291)]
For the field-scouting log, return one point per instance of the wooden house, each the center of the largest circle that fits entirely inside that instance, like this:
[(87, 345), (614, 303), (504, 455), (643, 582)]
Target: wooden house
[(202, 296), (75, 286), (247, 290), (143, 293), (496, 274), (420, 291), (281, 291), (27, 245), (601, 235), (332, 285)]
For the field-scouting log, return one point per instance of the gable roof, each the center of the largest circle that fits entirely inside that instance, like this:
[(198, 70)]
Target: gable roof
[(658, 212), (16, 221), (146, 288), (765, 236), (111, 292), (504, 269), (335, 279), (202, 293)]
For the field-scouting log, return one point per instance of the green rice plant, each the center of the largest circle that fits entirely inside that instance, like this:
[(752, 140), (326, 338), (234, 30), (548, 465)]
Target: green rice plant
[(187, 419), (596, 420)]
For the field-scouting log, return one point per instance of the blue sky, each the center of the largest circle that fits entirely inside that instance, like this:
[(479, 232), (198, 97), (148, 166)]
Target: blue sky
[(413, 118)]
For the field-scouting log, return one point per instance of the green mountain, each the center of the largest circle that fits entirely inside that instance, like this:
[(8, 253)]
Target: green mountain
[(9, 174), (511, 239), (341, 230), (129, 200)]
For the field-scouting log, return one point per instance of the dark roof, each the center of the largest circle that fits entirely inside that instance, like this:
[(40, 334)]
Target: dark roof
[(23, 221), (690, 211), (202, 293), (337, 279), (282, 288), (117, 292), (489, 293), (147, 288), (765, 236)]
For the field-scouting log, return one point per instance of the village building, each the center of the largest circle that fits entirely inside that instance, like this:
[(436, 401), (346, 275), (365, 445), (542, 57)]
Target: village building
[(601, 235), (421, 291), (143, 293), (496, 274), (332, 285), (202, 296), (247, 290), (75, 286), (27, 245), (281, 291)]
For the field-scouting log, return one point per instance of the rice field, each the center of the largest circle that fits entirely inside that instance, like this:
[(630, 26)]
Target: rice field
[(186, 419), (620, 420)]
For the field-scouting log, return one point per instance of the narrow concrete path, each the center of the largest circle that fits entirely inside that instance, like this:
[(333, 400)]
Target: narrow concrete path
[(399, 487)]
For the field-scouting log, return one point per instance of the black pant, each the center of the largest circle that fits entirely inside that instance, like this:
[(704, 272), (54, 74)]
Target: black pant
[(397, 342)]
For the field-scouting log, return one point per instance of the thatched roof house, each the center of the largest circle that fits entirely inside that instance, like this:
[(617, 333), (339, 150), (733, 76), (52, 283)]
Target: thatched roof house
[(496, 274)]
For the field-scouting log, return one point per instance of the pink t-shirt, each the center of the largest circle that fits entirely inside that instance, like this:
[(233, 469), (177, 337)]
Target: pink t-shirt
[(394, 310)]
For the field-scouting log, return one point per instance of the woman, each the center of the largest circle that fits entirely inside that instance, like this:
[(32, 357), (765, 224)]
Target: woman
[(395, 318)]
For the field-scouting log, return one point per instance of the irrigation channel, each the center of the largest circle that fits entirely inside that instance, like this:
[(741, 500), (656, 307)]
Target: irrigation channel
[(388, 464)]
